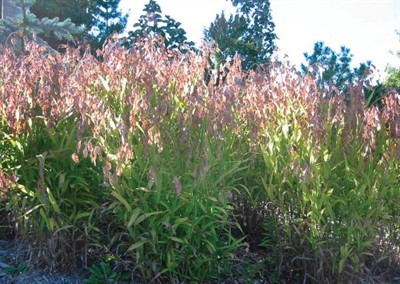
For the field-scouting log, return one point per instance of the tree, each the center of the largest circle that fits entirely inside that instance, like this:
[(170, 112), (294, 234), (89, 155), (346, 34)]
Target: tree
[(248, 33), (27, 26), (153, 23), (100, 18), (332, 70), (393, 79), (75, 10), (108, 20)]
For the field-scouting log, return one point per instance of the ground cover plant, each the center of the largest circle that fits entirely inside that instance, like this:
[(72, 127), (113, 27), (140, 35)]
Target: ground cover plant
[(140, 166)]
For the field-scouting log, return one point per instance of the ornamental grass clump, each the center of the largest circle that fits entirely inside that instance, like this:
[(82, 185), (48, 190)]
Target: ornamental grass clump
[(330, 176), (148, 166), (114, 161)]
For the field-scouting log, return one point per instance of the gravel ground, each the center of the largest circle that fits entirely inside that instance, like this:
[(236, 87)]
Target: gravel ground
[(40, 277), (13, 271)]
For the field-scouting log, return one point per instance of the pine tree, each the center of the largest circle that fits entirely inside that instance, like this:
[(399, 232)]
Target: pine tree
[(27, 26), (149, 23), (108, 20), (153, 23), (248, 33), (75, 10), (332, 70), (101, 18)]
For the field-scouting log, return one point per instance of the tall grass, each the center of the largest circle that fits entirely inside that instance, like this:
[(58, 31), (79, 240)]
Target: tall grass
[(137, 164)]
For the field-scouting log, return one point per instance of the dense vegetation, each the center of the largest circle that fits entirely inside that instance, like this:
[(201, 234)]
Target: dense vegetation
[(134, 167)]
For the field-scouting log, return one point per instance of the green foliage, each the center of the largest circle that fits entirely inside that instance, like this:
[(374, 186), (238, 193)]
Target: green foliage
[(333, 204), (101, 19), (102, 273), (16, 270), (75, 10), (107, 21), (10, 146), (248, 33), (332, 70), (27, 26), (54, 198), (393, 79), (171, 210), (153, 23), (11, 153)]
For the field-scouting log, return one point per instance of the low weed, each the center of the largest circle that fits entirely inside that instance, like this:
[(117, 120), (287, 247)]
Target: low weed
[(102, 273)]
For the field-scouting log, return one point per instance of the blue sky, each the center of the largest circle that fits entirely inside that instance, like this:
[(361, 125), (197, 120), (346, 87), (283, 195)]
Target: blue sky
[(367, 27)]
